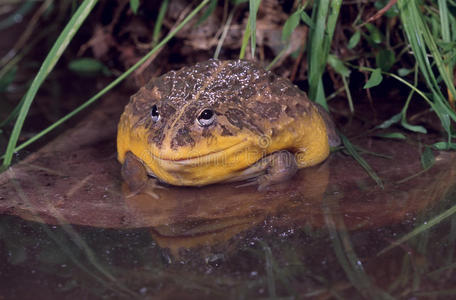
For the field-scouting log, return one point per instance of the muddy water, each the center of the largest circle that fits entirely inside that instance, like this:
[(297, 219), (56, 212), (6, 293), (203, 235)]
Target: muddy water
[(70, 229)]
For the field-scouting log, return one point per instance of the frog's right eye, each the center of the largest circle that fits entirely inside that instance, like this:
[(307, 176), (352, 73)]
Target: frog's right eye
[(154, 113)]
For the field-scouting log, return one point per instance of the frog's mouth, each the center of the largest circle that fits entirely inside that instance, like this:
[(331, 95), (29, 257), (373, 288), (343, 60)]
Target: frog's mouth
[(216, 156)]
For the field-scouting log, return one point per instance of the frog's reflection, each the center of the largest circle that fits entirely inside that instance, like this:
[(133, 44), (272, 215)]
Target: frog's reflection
[(189, 217), (183, 218)]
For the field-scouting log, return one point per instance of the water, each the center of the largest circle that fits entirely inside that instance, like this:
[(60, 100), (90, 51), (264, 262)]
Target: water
[(322, 235), (70, 229)]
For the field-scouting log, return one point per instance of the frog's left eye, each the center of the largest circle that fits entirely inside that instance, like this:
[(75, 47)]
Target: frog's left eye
[(206, 117), (154, 113)]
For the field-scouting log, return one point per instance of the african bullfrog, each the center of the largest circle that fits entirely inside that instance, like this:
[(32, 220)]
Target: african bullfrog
[(220, 121)]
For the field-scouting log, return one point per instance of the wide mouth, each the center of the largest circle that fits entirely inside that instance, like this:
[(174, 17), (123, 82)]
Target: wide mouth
[(204, 157)]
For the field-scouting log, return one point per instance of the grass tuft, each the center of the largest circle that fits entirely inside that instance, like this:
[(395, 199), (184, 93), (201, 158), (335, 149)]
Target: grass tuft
[(324, 16)]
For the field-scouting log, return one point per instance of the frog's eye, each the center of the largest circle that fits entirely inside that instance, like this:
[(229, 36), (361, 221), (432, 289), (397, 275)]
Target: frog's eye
[(154, 113), (206, 117)]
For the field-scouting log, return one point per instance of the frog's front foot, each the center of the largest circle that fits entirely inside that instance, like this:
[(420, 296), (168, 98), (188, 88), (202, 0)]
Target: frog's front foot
[(135, 175), (281, 167), (277, 168)]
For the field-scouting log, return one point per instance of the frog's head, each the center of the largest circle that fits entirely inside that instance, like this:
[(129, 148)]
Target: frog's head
[(202, 123)]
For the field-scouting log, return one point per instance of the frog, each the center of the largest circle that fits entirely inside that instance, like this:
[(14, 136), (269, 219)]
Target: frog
[(221, 121)]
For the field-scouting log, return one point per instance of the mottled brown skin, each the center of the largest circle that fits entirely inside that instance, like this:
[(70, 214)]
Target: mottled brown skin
[(249, 103)]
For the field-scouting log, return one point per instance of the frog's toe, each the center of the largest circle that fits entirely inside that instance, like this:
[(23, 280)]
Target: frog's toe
[(248, 182), (260, 181), (152, 185)]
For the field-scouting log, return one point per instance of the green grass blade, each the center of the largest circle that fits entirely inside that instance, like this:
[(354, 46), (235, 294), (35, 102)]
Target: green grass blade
[(332, 20), (442, 269), (270, 271), (245, 41), (276, 59), (290, 24), (226, 27), (210, 9), (134, 5), (351, 149), (113, 83), (253, 8), (392, 135), (434, 221), (54, 55), (316, 41), (159, 22), (443, 12)]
